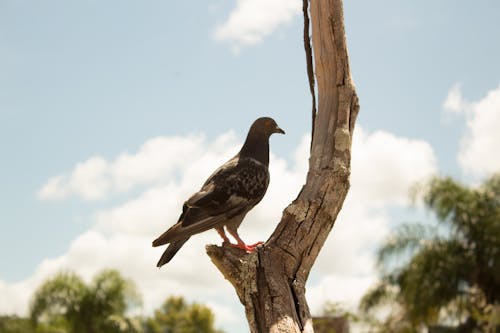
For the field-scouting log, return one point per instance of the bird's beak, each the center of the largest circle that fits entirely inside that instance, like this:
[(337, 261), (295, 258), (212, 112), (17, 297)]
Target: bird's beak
[(279, 130)]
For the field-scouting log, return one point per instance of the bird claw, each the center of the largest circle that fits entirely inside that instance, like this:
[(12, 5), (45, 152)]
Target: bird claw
[(256, 244), (248, 248)]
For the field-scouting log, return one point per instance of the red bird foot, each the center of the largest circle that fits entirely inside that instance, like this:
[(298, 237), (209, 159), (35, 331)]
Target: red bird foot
[(248, 248)]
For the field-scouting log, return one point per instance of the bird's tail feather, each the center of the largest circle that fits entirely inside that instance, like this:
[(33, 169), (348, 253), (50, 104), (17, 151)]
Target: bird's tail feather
[(165, 237), (170, 252)]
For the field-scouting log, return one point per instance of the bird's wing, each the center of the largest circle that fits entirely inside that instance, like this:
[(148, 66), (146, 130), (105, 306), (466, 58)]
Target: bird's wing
[(232, 190), (198, 219)]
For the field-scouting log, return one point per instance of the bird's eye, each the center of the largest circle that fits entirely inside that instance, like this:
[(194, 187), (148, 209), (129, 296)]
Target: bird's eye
[(268, 123)]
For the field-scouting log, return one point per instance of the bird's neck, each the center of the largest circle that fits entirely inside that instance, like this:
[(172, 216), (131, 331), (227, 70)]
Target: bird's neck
[(256, 147)]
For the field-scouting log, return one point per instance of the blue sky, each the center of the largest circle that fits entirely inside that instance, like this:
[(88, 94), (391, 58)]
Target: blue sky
[(93, 79)]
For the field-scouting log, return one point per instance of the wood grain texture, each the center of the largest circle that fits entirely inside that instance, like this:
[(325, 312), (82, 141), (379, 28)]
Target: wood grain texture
[(270, 282)]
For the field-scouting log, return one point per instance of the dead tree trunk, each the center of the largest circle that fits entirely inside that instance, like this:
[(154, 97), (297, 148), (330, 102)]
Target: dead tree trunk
[(271, 281)]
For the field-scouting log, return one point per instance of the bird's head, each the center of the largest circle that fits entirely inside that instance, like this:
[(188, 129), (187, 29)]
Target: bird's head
[(266, 126)]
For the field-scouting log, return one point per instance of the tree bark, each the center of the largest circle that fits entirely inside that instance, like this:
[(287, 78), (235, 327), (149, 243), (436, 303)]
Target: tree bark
[(270, 282)]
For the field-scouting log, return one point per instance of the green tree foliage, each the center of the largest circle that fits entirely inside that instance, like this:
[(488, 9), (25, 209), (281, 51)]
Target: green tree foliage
[(66, 304), (177, 316), (335, 319), (15, 324), (449, 272)]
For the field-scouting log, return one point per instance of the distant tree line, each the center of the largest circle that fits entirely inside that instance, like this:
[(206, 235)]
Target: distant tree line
[(65, 304), (436, 277)]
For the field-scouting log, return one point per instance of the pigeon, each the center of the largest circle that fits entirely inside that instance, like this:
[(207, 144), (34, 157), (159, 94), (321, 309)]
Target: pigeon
[(227, 195)]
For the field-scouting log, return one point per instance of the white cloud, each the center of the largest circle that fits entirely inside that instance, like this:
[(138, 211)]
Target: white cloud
[(158, 160), (478, 151), (338, 289), (385, 166), (252, 20), (454, 101), (54, 189), (383, 169), (87, 180)]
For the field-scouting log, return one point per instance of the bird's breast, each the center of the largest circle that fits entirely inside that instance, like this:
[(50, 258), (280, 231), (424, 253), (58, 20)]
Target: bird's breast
[(250, 181)]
